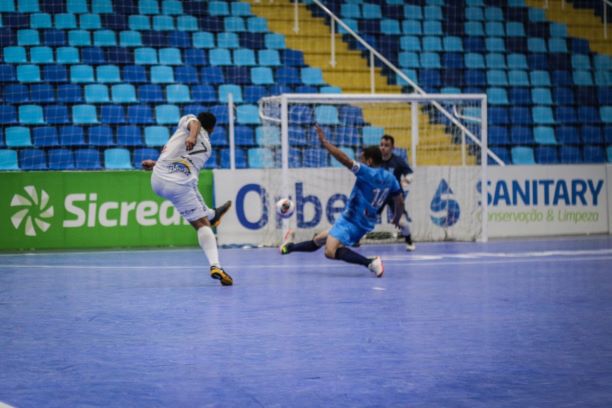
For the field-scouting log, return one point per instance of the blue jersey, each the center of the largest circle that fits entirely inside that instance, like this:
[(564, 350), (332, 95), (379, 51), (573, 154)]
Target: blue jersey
[(371, 189)]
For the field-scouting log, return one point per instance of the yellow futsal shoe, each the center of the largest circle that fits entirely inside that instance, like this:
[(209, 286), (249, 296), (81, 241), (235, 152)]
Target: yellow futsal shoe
[(219, 213), (219, 274)]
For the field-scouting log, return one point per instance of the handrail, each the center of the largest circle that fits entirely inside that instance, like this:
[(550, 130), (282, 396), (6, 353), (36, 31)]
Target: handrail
[(374, 53)]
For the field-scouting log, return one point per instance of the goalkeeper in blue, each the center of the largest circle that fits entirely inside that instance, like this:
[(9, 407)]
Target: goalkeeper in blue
[(373, 186)]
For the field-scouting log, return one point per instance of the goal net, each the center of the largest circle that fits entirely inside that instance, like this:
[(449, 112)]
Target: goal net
[(443, 137)]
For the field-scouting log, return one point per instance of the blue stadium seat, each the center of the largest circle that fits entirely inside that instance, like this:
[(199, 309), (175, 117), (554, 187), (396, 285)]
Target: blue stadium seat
[(84, 114), (90, 22), (570, 155), (605, 113), (72, 136), (212, 75), (591, 135), (28, 73), (117, 159), (70, 93), (593, 154), (247, 115), (300, 114), (588, 115), (371, 135), (262, 76), (203, 93), (95, 93), (81, 74), (31, 115), (220, 111), (541, 96), (498, 136), (162, 74), (563, 96), (108, 73), (123, 93), (167, 114), (546, 155), (326, 115), (187, 23), (156, 136), (566, 115), (260, 158), (112, 114), (32, 159), (226, 89), (7, 73), (293, 58), (40, 20), (244, 57), (220, 57), (522, 155), (61, 159), (17, 136), (129, 136), (170, 56), (16, 93), (268, 136), (269, 58), (45, 136), (315, 157), (65, 21), (234, 24), (203, 40), (195, 57), (87, 159), (42, 93), (79, 38), (8, 159), (145, 153), (244, 136), (163, 23), (15, 55), (219, 137), (521, 135), (312, 76), (101, 136), (288, 76), (56, 114), (497, 96), (54, 38)]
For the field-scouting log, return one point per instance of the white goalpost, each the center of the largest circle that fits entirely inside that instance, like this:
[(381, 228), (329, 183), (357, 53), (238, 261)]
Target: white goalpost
[(442, 136)]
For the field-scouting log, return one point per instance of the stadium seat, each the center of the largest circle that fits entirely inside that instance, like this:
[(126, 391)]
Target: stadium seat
[(156, 136), (570, 155), (41, 55), (84, 114), (16, 93), (267, 136), (32, 159), (226, 89), (112, 114), (260, 158), (315, 157), (145, 153), (521, 135), (108, 74), (262, 76), (167, 114), (45, 136), (61, 159), (17, 136), (8, 159), (104, 38), (544, 135), (546, 155), (117, 159), (31, 115), (522, 155), (87, 159), (161, 74), (326, 115), (177, 94), (96, 93), (371, 135), (247, 115)]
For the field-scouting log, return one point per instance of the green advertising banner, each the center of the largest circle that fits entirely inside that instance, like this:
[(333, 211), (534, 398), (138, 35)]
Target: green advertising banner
[(54, 210)]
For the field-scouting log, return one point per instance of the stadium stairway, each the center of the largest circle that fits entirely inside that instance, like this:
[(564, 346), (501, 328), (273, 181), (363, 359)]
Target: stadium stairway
[(352, 75), (581, 23)]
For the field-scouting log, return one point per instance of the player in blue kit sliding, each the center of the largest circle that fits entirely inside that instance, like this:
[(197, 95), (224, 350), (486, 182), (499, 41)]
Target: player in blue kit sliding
[(370, 192)]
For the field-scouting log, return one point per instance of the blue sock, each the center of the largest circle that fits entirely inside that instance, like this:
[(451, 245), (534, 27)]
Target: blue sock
[(306, 246), (351, 257)]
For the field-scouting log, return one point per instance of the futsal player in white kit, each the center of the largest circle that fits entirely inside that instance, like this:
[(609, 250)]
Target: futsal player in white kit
[(175, 178)]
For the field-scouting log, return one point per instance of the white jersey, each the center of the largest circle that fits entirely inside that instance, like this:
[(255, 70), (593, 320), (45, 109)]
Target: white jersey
[(176, 163)]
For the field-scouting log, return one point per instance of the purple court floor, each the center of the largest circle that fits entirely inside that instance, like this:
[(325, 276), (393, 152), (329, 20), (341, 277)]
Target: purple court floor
[(521, 323)]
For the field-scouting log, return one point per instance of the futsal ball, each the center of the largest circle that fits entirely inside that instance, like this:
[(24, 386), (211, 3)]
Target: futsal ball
[(285, 208)]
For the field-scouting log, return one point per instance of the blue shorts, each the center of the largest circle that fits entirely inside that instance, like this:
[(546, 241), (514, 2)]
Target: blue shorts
[(346, 232)]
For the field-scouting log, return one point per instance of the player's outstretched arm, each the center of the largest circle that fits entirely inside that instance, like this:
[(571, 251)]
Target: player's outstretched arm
[(194, 128), (398, 201), (337, 153), (148, 164)]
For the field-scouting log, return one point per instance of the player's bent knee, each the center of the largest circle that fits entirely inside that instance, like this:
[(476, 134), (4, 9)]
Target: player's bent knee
[(330, 253)]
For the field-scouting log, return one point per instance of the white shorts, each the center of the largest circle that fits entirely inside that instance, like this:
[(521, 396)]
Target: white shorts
[(186, 198)]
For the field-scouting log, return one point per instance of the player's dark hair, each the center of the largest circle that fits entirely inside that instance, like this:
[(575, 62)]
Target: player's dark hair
[(389, 138), (207, 120), (373, 152)]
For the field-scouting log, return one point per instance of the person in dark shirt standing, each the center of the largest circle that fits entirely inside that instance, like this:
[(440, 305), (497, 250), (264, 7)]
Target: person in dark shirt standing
[(403, 173)]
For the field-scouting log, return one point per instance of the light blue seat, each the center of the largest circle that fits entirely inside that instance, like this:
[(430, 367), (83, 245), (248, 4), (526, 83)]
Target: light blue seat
[(544, 135), (218, 8), (602, 62), (330, 90), (495, 29), (148, 7), (28, 6), (275, 41), (494, 14), (350, 10), (312, 76), (558, 30), (260, 158), (28, 73), (240, 9), (543, 115), (96, 93), (541, 96), (262, 76), (390, 27), (603, 78), (172, 7), (234, 24), (84, 114), (130, 39), (539, 78), (102, 6), (517, 61), (248, 115), (326, 115), (557, 45), (145, 56), (582, 78), (65, 21), (410, 43), (268, 136), (432, 28), (452, 44), (7, 6), (605, 112), (167, 114), (220, 56), (108, 73), (203, 40), (81, 74), (104, 38), (18, 136), (28, 37), (187, 23), (432, 44), (170, 56), (474, 13), (497, 77), (77, 6), (90, 22), (581, 62), (123, 93), (269, 58), (79, 38), (163, 23), (413, 12), (412, 27), (226, 89), (67, 55), (177, 94), (139, 22), (371, 11), (244, 57), (455, 90), (430, 60), (474, 60), (161, 74), (515, 29), (8, 159), (228, 40), (496, 61), (15, 55), (495, 44), (156, 136), (522, 155), (536, 15), (117, 158), (371, 135), (474, 28), (351, 23), (497, 96), (40, 20)]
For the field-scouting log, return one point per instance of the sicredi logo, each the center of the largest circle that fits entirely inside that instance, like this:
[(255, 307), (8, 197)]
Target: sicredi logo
[(445, 211), (32, 211)]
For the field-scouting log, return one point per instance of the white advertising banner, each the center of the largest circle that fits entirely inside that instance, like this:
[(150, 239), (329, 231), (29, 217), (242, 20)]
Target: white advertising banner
[(609, 185), (547, 200), (445, 207)]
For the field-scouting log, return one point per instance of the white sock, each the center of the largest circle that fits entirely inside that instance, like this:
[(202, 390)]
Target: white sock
[(404, 226), (208, 243), (210, 213)]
